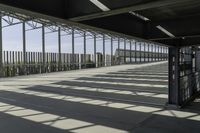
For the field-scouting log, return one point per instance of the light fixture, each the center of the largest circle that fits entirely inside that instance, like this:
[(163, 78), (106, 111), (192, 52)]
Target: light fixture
[(139, 16), (165, 31), (100, 5)]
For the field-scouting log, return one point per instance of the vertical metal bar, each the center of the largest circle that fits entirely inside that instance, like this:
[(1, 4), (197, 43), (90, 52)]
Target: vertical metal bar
[(135, 51), (111, 41), (130, 51), (155, 56), (124, 51), (84, 41), (24, 47), (43, 50), (95, 51), (104, 54), (119, 57), (1, 49), (59, 49), (73, 58), (144, 51), (140, 52), (148, 52)]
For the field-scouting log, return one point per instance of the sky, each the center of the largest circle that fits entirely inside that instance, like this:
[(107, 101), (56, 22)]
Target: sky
[(12, 41)]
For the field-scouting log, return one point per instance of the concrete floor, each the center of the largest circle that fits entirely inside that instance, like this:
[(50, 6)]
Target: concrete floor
[(127, 98)]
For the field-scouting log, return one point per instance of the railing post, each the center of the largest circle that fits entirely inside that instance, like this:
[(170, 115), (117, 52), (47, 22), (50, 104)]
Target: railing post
[(104, 52)]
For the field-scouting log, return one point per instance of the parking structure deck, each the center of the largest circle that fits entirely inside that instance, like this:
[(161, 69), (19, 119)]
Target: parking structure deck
[(126, 98)]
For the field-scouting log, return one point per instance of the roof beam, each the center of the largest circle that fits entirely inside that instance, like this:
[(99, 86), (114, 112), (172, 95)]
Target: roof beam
[(133, 8)]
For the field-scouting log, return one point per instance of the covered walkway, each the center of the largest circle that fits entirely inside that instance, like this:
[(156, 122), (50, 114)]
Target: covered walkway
[(126, 98)]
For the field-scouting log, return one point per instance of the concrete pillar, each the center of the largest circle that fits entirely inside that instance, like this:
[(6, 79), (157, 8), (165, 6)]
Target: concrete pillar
[(174, 76), (1, 49)]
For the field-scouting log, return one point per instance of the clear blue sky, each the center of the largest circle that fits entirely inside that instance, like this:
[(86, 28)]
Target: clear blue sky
[(12, 41)]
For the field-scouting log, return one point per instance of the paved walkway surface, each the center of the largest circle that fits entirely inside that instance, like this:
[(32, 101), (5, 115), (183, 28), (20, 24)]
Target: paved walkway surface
[(118, 99)]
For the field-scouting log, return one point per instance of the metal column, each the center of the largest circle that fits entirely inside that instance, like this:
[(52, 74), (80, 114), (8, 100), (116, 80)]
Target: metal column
[(73, 58), (144, 53), (84, 41), (148, 53), (1, 49), (24, 48), (119, 57), (135, 51), (124, 51), (111, 51), (59, 50), (95, 51), (130, 52), (140, 52), (43, 50), (104, 52)]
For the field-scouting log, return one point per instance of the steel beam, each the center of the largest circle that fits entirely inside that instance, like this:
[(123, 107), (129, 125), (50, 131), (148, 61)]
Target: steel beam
[(1, 49), (130, 51), (95, 51), (124, 51), (84, 41), (138, 7), (43, 50), (104, 51), (24, 48), (59, 49), (111, 41), (73, 58), (119, 56)]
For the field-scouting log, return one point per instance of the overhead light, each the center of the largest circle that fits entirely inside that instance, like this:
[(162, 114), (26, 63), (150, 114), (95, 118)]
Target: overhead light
[(165, 31), (139, 16), (100, 5)]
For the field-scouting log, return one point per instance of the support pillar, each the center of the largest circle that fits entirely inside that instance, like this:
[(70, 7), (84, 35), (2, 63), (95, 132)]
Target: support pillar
[(59, 50), (43, 50), (130, 52), (124, 51), (85, 58), (111, 51), (144, 51), (140, 52), (24, 48), (104, 51), (148, 52), (73, 55), (1, 49), (119, 56), (135, 52), (174, 76), (95, 52)]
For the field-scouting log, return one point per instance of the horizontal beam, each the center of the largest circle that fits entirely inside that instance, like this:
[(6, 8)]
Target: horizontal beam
[(150, 5), (64, 22)]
